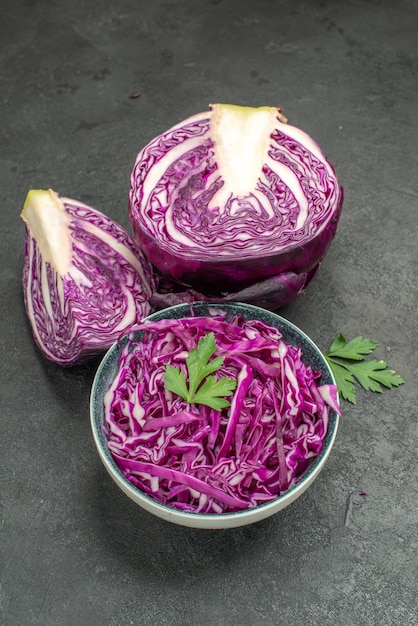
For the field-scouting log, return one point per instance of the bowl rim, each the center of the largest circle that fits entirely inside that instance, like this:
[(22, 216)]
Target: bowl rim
[(209, 520)]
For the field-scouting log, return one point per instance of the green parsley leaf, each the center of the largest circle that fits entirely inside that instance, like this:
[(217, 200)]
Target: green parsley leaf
[(372, 374), (344, 380), (199, 369), (198, 365), (175, 381), (348, 364), (212, 391), (354, 349)]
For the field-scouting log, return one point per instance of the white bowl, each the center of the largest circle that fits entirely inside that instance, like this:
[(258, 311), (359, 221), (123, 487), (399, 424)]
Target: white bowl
[(107, 370)]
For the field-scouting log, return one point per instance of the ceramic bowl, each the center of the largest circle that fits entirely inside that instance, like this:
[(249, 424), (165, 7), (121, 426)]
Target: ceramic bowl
[(107, 370)]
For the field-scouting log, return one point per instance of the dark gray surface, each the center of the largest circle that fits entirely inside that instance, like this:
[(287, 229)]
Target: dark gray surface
[(74, 550)]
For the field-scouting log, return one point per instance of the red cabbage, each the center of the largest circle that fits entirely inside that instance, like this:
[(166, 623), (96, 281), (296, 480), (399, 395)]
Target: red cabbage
[(86, 281), (197, 459), (230, 198)]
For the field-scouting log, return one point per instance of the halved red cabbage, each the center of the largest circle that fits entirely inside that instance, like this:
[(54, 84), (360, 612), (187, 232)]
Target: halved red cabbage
[(228, 198), (197, 459), (85, 279)]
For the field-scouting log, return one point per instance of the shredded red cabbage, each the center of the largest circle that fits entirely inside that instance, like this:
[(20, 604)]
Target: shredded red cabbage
[(197, 459)]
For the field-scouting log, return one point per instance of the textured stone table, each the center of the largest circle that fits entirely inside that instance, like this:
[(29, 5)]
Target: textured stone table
[(74, 551)]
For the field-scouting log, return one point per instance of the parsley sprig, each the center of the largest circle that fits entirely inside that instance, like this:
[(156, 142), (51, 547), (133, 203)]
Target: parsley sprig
[(346, 359), (211, 391)]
